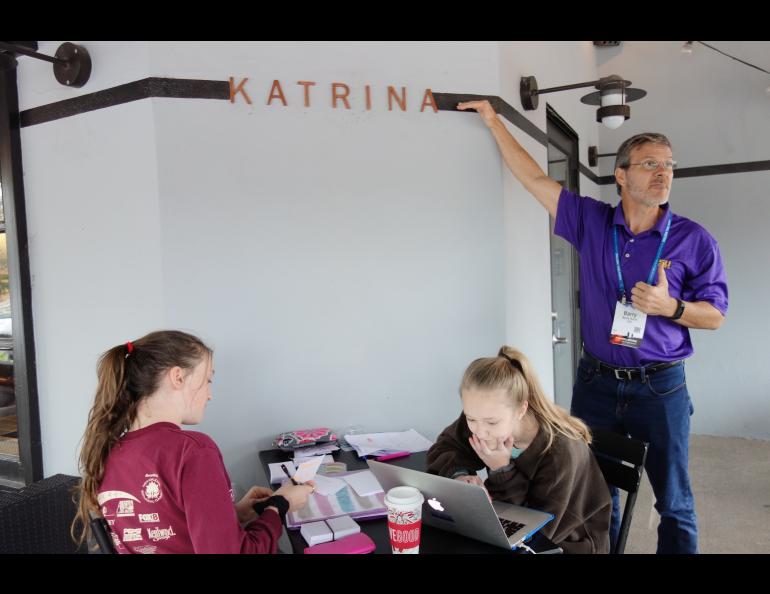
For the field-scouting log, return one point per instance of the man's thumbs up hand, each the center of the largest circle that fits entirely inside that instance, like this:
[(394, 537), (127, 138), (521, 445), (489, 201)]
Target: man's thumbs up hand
[(662, 280), (654, 300)]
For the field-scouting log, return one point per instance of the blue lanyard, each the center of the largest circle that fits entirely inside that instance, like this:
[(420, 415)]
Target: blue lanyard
[(650, 278)]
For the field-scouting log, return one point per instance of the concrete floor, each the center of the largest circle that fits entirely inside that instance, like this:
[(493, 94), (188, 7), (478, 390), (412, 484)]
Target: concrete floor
[(730, 478)]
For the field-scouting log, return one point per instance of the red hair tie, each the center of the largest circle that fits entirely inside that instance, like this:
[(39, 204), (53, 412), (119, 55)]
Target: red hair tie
[(130, 347)]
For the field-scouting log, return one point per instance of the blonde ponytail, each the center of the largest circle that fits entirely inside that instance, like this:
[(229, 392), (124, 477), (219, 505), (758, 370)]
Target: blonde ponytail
[(513, 372)]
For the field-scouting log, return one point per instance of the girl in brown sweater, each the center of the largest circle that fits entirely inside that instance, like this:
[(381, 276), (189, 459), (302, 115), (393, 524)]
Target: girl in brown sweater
[(535, 453)]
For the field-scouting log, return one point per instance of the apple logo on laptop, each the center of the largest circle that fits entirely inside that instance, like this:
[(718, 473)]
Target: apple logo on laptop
[(437, 510), (435, 504)]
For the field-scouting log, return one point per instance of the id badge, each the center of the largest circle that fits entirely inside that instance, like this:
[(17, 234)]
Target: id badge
[(628, 326)]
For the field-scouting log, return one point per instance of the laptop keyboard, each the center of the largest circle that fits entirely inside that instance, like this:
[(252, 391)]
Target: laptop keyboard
[(509, 526)]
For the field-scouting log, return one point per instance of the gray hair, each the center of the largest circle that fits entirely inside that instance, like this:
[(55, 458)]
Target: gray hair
[(623, 157)]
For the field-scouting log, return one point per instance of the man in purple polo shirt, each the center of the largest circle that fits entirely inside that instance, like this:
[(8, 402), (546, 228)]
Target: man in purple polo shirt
[(646, 276)]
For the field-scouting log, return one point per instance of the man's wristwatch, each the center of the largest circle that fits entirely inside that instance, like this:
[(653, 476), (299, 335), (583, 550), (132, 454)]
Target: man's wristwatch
[(679, 310), (277, 501)]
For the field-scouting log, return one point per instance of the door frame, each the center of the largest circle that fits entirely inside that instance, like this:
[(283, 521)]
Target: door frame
[(29, 467), (554, 122)]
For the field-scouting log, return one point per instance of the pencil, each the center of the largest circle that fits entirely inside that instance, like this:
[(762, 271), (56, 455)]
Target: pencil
[(286, 470)]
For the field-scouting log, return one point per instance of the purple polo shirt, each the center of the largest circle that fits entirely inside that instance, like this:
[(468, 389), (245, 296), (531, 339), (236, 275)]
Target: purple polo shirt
[(696, 274)]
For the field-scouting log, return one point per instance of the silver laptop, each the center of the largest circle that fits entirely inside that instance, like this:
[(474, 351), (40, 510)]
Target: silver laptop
[(457, 506)]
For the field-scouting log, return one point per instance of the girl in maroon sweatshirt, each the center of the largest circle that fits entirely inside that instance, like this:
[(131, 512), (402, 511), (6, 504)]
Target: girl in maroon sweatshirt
[(162, 489)]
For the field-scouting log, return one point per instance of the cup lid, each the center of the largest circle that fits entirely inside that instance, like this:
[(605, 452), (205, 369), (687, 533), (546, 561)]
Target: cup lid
[(404, 496)]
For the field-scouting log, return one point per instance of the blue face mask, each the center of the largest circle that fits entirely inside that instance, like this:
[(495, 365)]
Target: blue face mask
[(516, 452)]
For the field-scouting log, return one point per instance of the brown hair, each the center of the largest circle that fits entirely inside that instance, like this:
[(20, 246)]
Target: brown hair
[(623, 156), (126, 374), (512, 372)]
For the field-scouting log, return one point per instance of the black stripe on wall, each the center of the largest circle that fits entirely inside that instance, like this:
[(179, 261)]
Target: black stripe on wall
[(589, 174), (721, 169), (449, 101), (605, 180), (705, 170), (179, 88)]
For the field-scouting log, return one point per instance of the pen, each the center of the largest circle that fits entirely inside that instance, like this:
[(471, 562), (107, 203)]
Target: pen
[(286, 470), (392, 455)]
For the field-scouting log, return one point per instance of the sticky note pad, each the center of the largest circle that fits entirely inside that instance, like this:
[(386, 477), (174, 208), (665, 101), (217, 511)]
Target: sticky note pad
[(316, 532), (343, 526)]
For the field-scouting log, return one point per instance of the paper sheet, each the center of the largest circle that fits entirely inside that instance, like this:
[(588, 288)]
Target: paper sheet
[(363, 483), (326, 486), (307, 470), (368, 443), (316, 450), (327, 459), (277, 475)]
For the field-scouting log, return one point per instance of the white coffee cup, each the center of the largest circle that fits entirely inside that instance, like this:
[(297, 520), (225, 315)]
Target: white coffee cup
[(404, 519)]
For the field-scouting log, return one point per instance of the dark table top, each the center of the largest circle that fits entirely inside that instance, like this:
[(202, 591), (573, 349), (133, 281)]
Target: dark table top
[(432, 540)]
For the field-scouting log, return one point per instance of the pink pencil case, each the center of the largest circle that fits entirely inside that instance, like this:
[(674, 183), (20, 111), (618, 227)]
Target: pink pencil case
[(301, 438), (355, 544)]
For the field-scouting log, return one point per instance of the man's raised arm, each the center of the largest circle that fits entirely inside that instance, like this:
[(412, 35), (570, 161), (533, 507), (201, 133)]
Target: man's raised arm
[(521, 164)]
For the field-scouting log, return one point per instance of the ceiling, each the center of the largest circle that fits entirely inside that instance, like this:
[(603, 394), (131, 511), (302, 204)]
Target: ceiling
[(714, 109)]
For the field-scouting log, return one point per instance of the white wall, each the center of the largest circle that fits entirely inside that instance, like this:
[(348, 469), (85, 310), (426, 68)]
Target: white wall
[(348, 264), (728, 377), (91, 189), (345, 265), (94, 246), (715, 111)]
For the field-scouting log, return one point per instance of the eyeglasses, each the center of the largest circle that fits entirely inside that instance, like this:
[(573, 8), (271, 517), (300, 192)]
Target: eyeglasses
[(652, 164)]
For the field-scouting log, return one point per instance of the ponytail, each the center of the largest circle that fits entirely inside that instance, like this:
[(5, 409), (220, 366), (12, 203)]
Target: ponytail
[(111, 415)]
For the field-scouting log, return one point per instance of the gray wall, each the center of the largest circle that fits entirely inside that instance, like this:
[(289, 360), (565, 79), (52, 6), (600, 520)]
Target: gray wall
[(345, 265)]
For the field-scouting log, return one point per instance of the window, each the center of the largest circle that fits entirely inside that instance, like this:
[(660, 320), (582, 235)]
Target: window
[(20, 447), (9, 442)]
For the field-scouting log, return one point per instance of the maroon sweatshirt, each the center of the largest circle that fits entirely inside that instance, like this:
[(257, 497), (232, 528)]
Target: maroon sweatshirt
[(166, 490)]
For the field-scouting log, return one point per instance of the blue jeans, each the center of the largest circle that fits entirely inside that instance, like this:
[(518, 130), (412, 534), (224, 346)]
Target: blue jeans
[(655, 409)]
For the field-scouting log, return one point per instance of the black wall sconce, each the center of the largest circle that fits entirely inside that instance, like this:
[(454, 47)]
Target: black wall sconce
[(612, 96), (71, 64), (594, 156)]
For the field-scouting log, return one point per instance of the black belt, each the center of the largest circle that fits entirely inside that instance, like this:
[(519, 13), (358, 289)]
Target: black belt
[(628, 373)]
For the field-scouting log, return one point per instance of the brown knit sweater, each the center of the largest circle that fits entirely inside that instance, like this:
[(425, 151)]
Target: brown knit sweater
[(565, 481)]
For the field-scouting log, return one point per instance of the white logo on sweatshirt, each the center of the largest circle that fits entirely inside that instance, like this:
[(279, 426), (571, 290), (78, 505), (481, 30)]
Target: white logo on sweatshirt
[(151, 489), (132, 534), (157, 534)]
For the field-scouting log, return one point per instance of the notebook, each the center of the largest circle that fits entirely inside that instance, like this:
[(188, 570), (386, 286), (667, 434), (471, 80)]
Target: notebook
[(457, 506), (344, 501)]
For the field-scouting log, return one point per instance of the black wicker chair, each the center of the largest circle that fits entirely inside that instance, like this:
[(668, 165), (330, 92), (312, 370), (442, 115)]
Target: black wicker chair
[(37, 518)]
